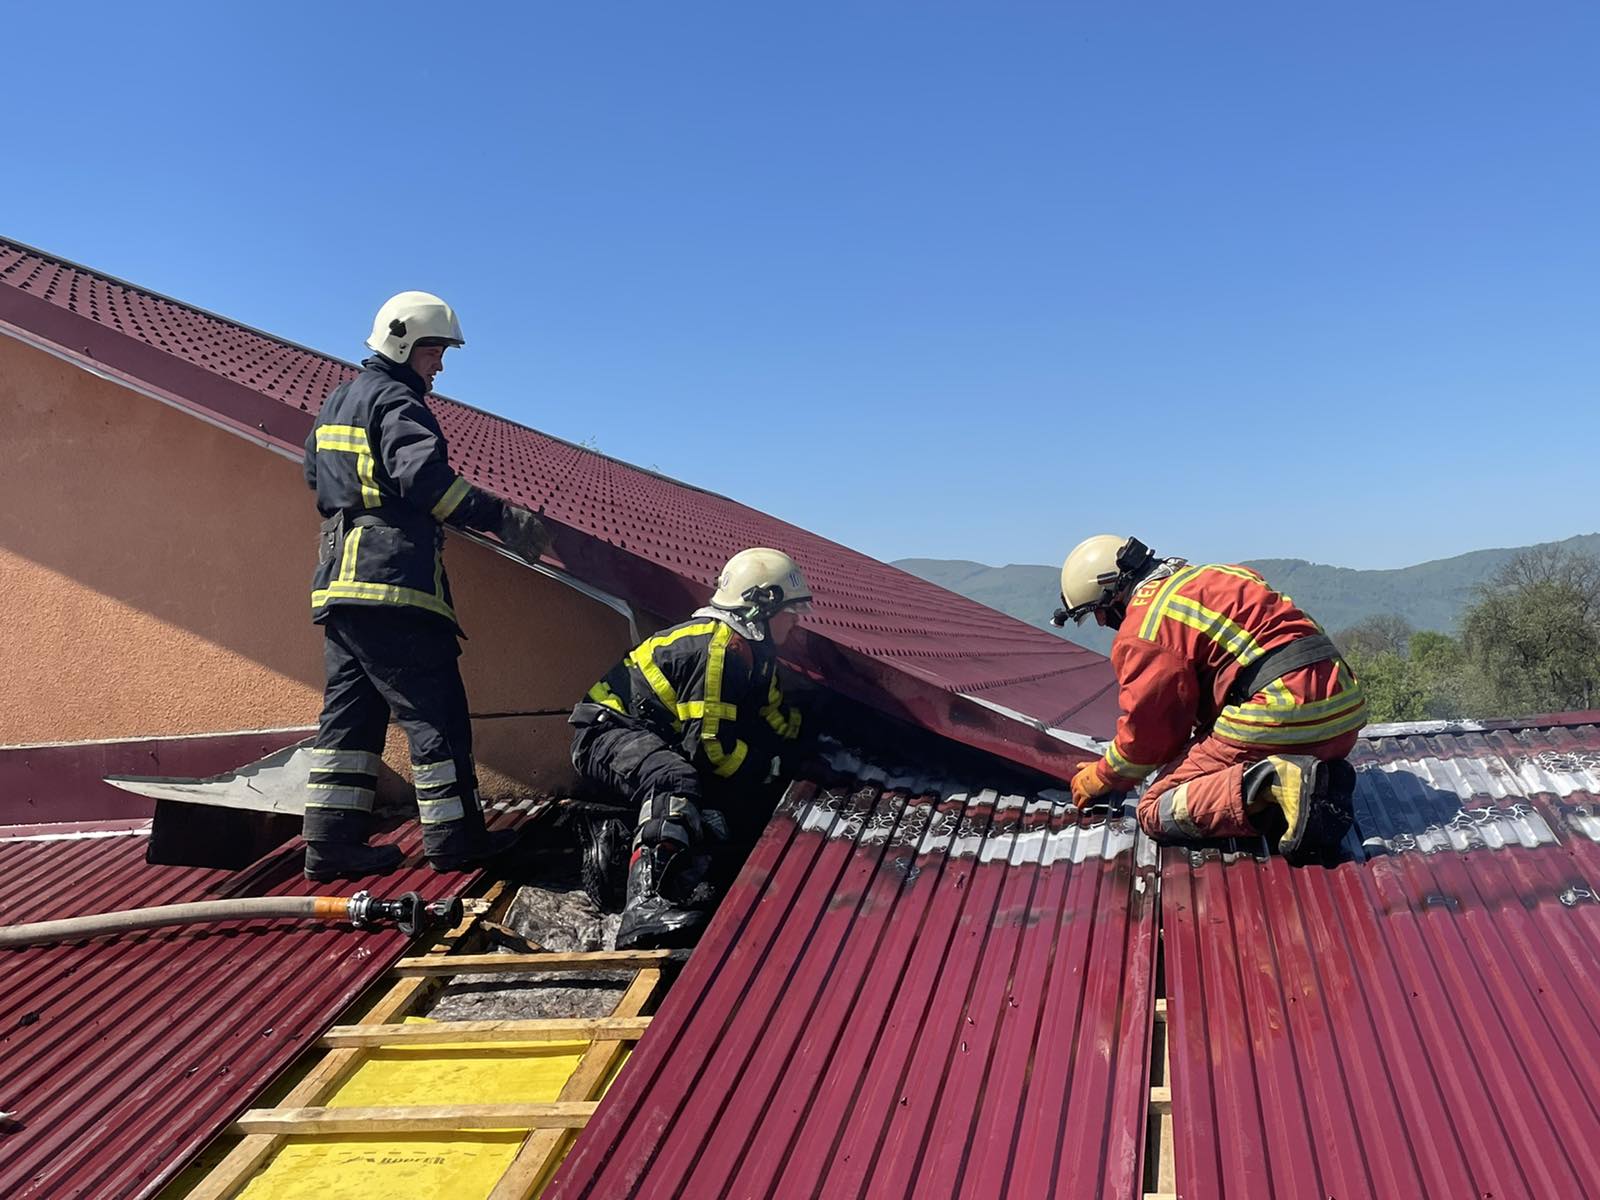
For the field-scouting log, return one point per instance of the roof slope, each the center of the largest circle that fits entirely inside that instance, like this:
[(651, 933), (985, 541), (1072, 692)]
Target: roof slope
[(120, 1057), (910, 991), (877, 633), (1419, 1021)]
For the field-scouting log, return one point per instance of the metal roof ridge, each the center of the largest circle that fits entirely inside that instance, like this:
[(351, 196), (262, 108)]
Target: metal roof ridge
[(1561, 720)]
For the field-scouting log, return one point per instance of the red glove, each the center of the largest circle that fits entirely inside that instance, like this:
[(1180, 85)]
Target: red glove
[(1087, 786)]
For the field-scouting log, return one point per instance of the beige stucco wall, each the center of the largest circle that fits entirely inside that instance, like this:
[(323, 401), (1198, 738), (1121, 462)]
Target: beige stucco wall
[(155, 570)]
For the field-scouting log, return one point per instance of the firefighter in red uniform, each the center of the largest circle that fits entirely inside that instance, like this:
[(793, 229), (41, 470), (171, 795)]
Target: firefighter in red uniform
[(1228, 682)]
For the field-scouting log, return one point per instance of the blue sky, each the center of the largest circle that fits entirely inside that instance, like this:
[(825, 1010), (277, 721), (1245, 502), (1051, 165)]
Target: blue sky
[(955, 280)]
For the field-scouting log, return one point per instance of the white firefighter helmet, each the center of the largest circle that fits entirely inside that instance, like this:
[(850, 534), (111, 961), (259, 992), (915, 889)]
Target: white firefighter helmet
[(761, 581), (407, 319), (1097, 569)]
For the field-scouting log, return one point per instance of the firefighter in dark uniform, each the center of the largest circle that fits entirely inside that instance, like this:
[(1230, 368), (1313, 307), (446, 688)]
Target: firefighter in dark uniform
[(686, 727), (376, 459)]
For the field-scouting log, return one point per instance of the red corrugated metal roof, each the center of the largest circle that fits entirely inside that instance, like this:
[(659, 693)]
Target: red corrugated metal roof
[(877, 633), (121, 1057), (1419, 1021), (910, 991)]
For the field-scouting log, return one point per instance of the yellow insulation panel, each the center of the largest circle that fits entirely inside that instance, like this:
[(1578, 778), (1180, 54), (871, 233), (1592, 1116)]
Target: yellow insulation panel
[(380, 1167)]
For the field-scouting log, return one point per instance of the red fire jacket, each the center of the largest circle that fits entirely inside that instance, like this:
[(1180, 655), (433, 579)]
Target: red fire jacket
[(1185, 638)]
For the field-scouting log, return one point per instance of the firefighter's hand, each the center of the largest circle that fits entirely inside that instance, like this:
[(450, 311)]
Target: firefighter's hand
[(1087, 786), (523, 532)]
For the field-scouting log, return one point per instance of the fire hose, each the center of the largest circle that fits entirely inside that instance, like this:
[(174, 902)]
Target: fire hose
[(409, 913)]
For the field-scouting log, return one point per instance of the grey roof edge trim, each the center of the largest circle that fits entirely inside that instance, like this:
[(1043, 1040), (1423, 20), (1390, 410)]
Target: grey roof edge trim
[(600, 595), (1078, 741)]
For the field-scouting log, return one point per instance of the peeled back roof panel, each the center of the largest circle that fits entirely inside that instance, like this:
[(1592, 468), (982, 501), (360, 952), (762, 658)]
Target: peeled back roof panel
[(1419, 1021), (912, 990), (876, 633)]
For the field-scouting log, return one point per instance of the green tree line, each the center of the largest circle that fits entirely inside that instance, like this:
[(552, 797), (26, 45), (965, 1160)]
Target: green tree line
[(1528, 643)]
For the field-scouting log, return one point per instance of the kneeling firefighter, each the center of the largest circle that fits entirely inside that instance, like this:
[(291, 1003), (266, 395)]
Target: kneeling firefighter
[(687, 728), (1229, 683)]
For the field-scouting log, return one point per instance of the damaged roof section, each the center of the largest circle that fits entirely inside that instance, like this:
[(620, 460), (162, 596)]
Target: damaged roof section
[(1420, 1019), (876, 634), (915, 987)]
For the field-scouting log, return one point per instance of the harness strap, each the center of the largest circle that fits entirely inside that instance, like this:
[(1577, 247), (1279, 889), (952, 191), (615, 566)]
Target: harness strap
[(1275, 664)]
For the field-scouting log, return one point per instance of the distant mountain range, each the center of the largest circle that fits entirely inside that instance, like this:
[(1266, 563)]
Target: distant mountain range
[(1430, 595)]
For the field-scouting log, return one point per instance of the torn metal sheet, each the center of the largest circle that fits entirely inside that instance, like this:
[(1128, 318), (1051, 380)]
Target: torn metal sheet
[(276, 784)]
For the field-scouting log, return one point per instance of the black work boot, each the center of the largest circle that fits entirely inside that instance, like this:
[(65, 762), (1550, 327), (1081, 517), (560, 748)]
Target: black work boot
[(649, 920), (349, 860), (474, 848), (1313, 798), (458, 845), (1329, 811)]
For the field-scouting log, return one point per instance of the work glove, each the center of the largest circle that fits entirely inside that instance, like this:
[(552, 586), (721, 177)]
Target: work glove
[(1087, 786), (523, 532)]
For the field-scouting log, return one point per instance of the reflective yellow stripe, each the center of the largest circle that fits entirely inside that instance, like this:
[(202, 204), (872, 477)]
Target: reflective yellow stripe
[(370, 496), (1238, 573), (1278, 712), (440, 812), (381, 593), (343, 437), (666, 639), (723, 762), (1152, 619), (601, 693), (700, 710), (643, 659), (340, 796), (1301, 725), (653, 675), (452, 498), (784, 725), (1293, 735), (352, 439), (352, 548), (348, 587), (349, 762), (1225, 632), (433, 775), (1126, 767)]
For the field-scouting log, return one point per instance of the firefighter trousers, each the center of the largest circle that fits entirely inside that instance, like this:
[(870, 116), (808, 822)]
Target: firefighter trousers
[(383, 661), (634, 762), (1203, 795)]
